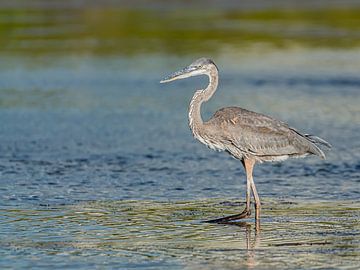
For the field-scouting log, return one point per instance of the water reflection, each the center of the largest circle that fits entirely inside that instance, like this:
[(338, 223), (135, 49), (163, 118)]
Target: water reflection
[(252, 239), (252, 244)]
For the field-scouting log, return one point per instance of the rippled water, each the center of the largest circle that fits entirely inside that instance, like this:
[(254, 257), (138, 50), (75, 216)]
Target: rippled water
[(98, 167), (152, 234)]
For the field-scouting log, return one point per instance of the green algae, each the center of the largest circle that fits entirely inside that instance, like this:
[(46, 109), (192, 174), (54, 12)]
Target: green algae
[(292, 234)]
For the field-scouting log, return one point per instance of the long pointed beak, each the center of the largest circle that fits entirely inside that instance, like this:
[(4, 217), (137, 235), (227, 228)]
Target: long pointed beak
[(181, 74)]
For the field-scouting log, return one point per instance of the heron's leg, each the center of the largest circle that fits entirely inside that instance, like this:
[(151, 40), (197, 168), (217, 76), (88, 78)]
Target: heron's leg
[(249, 173), (247, 211), (257, 200), (248, 166)]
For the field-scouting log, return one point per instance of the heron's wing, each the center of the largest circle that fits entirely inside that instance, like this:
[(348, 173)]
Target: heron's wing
[(260, 135)]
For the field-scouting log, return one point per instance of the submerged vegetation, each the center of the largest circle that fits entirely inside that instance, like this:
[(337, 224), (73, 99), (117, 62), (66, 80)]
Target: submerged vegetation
[(151, 232)]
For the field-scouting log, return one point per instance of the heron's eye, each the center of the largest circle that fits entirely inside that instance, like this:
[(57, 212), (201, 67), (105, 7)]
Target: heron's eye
[(197, 66)]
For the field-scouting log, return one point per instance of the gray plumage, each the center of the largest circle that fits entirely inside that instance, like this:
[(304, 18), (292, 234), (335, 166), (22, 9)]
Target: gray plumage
[(248, 136)]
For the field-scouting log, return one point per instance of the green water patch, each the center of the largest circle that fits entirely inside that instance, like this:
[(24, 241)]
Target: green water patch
[(292, 234), (129, 31)]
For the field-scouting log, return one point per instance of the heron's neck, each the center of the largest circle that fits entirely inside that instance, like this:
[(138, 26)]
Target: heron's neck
[(200, 96)]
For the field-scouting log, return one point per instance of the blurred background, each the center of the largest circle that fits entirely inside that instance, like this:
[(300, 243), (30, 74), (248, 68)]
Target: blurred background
[(79, 84), (83, 116)]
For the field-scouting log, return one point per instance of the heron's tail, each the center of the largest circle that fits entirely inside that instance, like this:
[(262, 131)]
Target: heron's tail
[(315, 142)]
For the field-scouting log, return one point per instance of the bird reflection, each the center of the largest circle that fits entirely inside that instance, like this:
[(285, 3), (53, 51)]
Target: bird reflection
[(252, 237)]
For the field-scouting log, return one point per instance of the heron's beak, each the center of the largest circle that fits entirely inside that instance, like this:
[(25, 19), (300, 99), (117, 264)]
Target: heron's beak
[(181, 74)]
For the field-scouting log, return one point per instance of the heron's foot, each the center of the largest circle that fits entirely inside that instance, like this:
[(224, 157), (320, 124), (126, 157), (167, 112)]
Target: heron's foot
[(244, 214)]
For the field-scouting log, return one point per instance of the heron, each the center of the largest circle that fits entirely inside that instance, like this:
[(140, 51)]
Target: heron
[(247, 136)]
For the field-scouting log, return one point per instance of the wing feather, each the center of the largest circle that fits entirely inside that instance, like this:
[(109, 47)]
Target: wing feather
[(260, 135)]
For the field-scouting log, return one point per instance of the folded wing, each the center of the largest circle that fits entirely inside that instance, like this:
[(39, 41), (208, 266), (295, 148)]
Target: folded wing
[(252, 134)]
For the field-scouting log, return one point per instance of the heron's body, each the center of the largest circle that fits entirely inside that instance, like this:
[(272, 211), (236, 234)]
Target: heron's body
[(248, 136)]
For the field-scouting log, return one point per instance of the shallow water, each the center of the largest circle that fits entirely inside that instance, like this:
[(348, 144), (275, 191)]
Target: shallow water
[(98, 167), (153, 234)]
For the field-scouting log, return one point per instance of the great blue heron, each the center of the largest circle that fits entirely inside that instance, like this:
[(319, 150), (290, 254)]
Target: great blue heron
[(248, 136)]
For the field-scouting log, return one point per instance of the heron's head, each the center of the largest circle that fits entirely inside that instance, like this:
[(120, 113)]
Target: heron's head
[(199, 67)]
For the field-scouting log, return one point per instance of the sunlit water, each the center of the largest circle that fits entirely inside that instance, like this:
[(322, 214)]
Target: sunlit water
[(152, 234), (98, 167)]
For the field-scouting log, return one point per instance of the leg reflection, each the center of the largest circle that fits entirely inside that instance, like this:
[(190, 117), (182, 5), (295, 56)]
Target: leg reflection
[(252, 245), (252, 238)]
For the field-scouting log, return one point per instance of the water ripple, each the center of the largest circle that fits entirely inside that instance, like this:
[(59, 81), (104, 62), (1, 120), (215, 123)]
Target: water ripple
[(167, 231)]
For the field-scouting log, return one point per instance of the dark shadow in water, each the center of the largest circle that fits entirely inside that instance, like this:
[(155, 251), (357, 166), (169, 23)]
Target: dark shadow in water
[(236, 223)]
